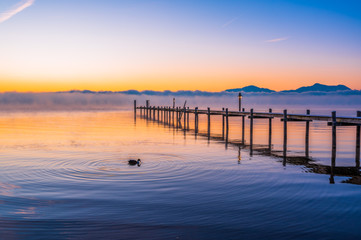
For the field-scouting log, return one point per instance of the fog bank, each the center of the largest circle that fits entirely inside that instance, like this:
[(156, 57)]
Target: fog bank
[(297, 103)]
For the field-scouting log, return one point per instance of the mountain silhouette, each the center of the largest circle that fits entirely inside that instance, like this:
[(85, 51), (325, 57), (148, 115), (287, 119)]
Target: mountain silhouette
[(250, 88), (317, 87)]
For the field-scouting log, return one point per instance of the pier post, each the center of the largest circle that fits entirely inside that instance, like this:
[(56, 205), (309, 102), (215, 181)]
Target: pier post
[(270, 130), (358, 142), (135, 108), (333, 157), (227, 125), (167, 111), (149, 113), (196, 120), (284, 136), (177, 117), (184, 118), (243, 126), (188, 119), (173, 113), (222, 123), (146, 108), (161, 114), (239, 101), (251, 130), (170, 116), (167, 120), (153, 113), (158, 113), (163, 119), (307, 139), (209, 122)]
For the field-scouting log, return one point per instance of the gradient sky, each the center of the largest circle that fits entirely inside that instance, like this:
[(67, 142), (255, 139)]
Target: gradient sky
[(52, 45)]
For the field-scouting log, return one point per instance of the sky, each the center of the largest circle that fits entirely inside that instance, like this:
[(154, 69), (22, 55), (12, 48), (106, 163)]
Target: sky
[(213, 45)]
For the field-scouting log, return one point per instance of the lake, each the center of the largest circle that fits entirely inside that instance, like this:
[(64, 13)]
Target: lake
[(65, 175)]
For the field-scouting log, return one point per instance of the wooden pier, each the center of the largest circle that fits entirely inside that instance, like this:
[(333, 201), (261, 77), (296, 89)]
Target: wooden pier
[(179, 118)]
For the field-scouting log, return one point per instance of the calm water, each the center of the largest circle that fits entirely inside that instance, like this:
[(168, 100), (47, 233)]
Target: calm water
[(64, 175)]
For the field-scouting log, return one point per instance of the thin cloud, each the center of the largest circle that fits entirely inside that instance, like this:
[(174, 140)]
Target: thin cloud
[(15, 9), (229, 22), (277, 40)]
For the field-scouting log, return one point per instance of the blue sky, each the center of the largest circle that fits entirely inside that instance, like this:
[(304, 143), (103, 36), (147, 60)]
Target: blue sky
[(117, 45)]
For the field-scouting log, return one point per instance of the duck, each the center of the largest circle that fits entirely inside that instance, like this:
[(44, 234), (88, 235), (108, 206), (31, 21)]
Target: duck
[(134, 162)]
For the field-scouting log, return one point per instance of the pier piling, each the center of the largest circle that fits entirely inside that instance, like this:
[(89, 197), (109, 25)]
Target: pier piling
[(333, 155), (243, 127), (307, 137), (209, 122), (358, 142), (270, 130), (196, 120), (285, 135), (222, 123), (227, 125), (251, 130)]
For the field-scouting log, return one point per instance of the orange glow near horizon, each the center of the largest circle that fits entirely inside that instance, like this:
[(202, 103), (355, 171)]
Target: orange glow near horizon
[(212, 81)]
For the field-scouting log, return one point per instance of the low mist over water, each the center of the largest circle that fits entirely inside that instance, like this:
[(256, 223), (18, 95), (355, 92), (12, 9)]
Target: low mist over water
[(295, 103)]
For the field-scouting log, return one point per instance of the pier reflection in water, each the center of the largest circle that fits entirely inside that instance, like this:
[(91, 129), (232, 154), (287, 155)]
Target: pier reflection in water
[(66, 175)]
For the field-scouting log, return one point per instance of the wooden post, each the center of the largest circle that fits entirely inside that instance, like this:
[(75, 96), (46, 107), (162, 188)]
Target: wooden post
[(161, 114), (284, 136), (176, 116), (184, 118), (307, 138), (196, 120), (165, 115), (239, 101), (173, 112), (146, 105), (209, 122), (358, 142), (135, 108), (251, 130), (158, 113), (150, 112), (243, 126), (188, 119), (169, 115), (333, 156), (227, 125), (222, 123), (153, 113), (270, 130)]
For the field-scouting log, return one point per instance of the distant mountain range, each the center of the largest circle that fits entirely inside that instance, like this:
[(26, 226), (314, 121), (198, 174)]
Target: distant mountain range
[(317, 87)]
